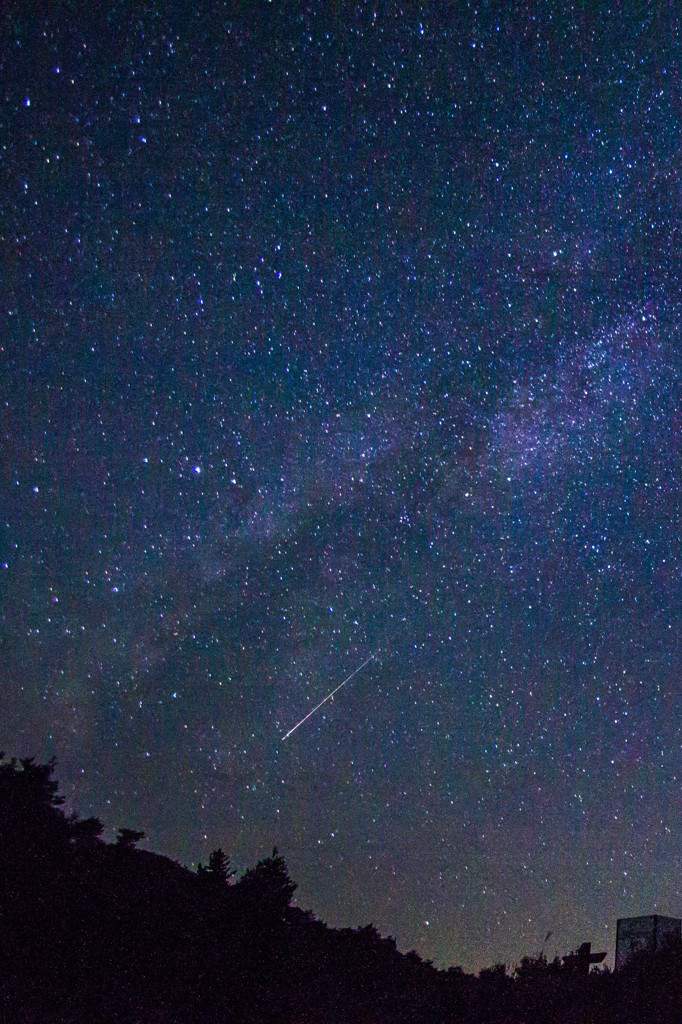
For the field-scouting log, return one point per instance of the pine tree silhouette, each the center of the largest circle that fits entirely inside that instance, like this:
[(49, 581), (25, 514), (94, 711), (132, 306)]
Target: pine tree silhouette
[(127, 838)]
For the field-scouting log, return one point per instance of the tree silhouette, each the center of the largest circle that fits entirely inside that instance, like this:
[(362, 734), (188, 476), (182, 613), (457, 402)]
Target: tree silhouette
[(31, 822), (85, 832), (93, 932), (218, 871), (267, 888), (219, 865), (127, 838)]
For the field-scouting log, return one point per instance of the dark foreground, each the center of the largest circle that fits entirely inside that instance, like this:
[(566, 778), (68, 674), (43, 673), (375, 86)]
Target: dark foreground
[(99, 932)]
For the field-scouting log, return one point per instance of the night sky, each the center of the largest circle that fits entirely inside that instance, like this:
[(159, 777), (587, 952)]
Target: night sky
[(331, 330)]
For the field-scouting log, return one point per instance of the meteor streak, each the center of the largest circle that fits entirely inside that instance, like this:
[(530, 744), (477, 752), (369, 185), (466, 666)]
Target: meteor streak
[(335, 690)]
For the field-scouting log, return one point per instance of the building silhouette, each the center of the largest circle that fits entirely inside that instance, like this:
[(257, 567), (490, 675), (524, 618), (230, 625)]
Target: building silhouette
[(634, 934)]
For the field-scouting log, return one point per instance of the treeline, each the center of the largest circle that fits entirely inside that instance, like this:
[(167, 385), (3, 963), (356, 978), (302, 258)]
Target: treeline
[(105, 932)]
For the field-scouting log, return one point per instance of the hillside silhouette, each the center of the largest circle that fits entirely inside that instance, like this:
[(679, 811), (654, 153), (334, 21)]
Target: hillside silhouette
[(106, 932)]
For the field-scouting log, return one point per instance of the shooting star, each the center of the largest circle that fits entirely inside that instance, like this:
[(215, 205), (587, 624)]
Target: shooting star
[(335, 690)]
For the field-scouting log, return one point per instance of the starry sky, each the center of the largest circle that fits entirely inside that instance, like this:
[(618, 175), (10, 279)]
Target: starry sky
[(340, 329)]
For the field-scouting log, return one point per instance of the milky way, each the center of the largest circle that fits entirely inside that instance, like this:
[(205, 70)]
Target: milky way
[(333, 329)]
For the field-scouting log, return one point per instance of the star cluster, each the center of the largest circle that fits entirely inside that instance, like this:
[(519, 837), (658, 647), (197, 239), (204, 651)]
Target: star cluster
[(337, 329)]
